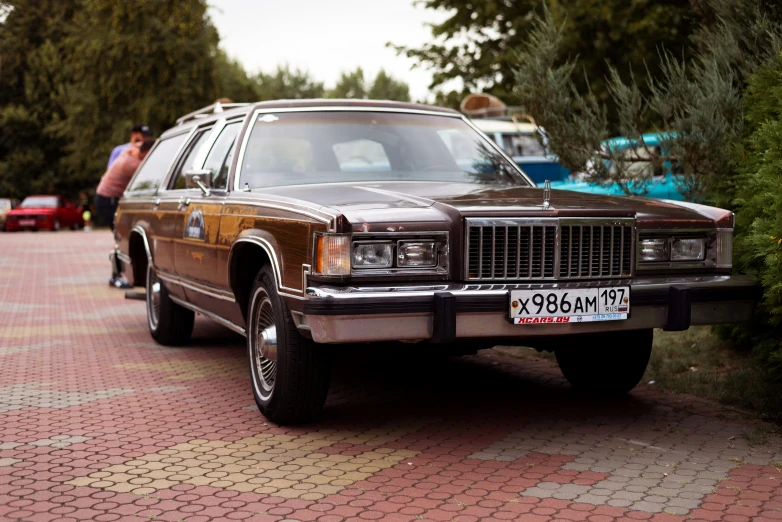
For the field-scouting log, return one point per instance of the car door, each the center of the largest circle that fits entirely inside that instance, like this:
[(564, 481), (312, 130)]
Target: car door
[(144, 206), (171, 203), (175, 197), (199, 253)]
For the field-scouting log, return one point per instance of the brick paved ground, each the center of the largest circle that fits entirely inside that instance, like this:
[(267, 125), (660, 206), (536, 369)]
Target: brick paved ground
[(98, 422)]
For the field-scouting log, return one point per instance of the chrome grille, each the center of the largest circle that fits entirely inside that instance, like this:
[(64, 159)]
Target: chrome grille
[(594, 251), (548, 248)]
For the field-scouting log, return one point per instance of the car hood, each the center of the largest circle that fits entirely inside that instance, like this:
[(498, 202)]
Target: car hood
[(410, 201)]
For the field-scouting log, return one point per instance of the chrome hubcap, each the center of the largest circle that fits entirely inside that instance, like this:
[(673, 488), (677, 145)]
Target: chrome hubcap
[(153, 298), (264, 346)]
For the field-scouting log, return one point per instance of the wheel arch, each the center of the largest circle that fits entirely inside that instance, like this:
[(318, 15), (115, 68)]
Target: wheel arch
[(245, 259), (140, 255)]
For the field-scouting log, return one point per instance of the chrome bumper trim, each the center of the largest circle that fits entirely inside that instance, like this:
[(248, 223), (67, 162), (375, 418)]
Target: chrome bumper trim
[(443, 313), (495, 325)]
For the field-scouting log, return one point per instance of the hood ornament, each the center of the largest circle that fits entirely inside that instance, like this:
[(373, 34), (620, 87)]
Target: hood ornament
[(547, 194)]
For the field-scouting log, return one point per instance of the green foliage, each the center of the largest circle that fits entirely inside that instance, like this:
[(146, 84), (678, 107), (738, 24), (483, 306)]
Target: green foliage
[(145, 61), (758, 247), (353, 85), (232, 80), (287, 84), (697, 102), (477, 42), (385, 87), (31, 64)]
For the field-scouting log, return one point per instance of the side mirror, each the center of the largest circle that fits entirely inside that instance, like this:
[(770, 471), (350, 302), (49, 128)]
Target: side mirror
[(200, 179)]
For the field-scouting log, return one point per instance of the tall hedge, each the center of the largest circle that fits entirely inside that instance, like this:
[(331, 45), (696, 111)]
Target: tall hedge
[(758, 246)]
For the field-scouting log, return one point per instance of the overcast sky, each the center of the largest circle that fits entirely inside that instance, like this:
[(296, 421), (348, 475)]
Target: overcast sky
[(326, 37)]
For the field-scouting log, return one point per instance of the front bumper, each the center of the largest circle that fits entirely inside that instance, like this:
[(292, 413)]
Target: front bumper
[(449, 312)]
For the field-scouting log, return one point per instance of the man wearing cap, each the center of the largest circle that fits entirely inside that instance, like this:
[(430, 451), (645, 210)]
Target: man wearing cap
[(113, 184), (137, 134)]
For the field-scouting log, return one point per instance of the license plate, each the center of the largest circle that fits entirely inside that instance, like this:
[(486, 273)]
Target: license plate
[(26, 222), (563, 305)]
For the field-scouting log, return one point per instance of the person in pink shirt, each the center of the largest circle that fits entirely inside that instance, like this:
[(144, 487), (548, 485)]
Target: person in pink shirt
[(113, 184)]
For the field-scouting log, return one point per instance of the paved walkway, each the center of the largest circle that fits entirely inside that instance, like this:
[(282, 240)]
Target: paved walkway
[(97, 422)]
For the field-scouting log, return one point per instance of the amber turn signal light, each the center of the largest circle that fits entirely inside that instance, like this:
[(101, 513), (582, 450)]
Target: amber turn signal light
[(332, 254)]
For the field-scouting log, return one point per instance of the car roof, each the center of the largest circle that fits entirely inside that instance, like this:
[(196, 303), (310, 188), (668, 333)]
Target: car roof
[(324, 103), (504, 126), (328, 102), (650, 138)]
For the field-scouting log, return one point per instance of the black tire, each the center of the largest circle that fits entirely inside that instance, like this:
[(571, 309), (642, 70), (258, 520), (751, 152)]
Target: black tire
[(292, 389), (170, 324), (608, 364)]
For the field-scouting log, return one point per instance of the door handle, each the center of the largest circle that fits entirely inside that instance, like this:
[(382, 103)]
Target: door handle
[(157, 202), (183, 203)]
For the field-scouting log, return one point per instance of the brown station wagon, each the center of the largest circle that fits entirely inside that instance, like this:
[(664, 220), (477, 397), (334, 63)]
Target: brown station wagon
[(307, 224)]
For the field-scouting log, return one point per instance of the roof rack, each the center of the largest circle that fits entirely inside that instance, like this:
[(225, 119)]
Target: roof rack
[(208, 111)]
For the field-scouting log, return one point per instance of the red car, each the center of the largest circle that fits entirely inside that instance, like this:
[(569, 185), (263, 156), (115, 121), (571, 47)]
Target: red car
[(44, 213)]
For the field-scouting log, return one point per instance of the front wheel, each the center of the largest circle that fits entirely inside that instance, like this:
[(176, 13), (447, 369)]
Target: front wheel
[(169, 323), (609, 363), (290, 374)]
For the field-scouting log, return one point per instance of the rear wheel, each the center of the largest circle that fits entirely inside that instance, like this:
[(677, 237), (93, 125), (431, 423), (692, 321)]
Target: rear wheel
[(169, 323), (290, 374), (609, 363)]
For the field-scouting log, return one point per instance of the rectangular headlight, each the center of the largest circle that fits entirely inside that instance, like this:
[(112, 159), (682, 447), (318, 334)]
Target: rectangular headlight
[(688, 249), (653, 250), (332, 255), (416, 254), (373, 255)]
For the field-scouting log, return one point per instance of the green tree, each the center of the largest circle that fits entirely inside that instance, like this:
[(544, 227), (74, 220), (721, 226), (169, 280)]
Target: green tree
[(476, 44), (697, 102), (287, 84), (758, 246), (385, 87), (350, 85), (31, 78), (232, 80), (74, 76), (353, 85), (143, 61)]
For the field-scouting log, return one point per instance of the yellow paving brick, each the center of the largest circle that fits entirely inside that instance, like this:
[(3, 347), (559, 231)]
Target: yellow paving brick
[(161, 484), (285, 466)]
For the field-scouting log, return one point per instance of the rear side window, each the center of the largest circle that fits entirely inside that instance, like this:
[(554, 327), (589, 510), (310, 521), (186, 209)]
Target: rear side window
[(152, 173)]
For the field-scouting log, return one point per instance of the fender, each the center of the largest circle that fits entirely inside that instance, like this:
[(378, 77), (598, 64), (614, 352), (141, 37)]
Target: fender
[(143, 233), (267, 242)]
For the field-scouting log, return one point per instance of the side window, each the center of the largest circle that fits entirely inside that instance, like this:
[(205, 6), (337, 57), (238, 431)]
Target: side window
[(186, 162), (361, 155), (218, 162), (155, 168)]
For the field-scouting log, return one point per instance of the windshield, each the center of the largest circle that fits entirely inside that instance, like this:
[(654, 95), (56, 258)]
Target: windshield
[(331, 147), (39, 202)]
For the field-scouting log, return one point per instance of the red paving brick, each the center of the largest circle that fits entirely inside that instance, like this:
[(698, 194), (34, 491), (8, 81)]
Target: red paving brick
[(98, 422)]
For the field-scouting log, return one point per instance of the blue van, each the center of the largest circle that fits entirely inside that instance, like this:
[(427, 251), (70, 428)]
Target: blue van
[(522, 142)]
